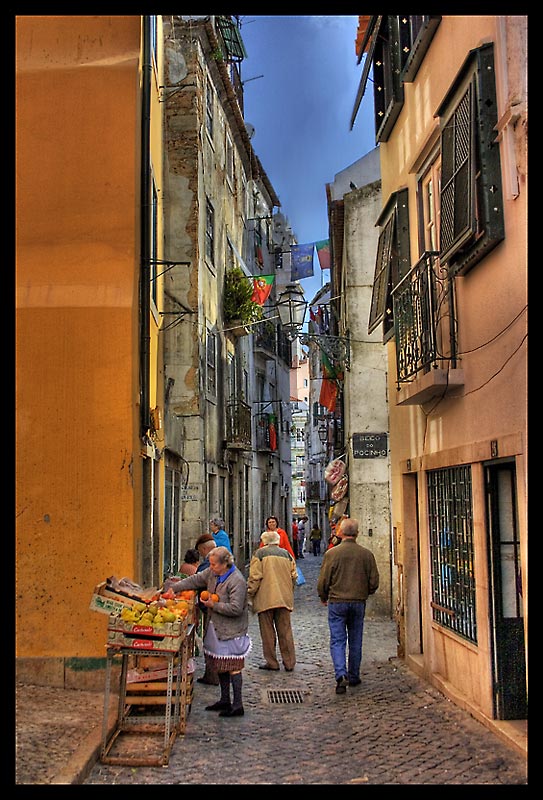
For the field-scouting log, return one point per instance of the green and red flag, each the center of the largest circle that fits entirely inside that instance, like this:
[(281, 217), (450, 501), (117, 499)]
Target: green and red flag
[(262, 286), (323, 253)]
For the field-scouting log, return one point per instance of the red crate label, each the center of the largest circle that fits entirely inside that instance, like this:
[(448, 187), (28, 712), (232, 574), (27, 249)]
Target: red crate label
[(143, 629), (145, 644)]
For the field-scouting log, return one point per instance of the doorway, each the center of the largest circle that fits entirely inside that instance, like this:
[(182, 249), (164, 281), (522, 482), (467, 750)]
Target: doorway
[(507, 623)]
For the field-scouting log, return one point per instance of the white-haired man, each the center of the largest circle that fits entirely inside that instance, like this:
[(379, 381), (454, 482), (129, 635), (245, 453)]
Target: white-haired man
[(270, 586), (347, 577)]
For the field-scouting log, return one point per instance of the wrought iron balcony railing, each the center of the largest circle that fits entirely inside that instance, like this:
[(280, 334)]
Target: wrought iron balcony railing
[(424, 322), (238, 426)]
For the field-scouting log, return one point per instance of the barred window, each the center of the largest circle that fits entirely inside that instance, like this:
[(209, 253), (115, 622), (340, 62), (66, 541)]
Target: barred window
[(450, 520)]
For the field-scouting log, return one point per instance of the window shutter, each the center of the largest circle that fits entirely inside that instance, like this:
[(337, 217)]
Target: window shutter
[(393, 260), (382, 271), (457, 176), (472, 220)]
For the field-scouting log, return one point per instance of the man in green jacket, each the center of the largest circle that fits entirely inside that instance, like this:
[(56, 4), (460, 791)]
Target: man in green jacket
[(270, 586), (347, 577)]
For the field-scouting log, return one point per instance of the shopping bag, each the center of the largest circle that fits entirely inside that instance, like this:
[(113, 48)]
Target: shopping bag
[(300, 580)]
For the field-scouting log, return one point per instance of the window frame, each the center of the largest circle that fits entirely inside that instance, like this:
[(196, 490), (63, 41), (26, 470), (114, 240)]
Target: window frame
[(210, 233), (480, 189), (210, 110), (211, 363), (451, 550), (392, 263)]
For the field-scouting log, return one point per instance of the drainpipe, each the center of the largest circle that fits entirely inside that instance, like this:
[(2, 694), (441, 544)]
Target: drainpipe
[(145, 194), (146, 557)]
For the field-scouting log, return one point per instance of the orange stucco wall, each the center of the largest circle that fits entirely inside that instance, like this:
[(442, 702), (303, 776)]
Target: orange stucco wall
[(78, 464)]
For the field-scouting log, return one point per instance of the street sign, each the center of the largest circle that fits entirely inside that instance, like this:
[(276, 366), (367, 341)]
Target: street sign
[(370, 445)]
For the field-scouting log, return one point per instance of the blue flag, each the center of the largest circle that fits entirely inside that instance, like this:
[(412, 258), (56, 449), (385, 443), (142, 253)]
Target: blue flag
[(302, 261)]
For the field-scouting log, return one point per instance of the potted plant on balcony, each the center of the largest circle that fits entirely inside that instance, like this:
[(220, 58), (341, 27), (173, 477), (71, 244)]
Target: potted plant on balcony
[(238, 308)]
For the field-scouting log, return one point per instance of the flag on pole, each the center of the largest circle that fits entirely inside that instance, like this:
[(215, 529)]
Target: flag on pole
[(272, 431), (262, 286), (329, 386), (301, 261), (323, 252)]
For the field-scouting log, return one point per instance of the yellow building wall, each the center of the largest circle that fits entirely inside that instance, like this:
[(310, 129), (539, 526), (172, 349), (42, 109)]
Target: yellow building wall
[(78, 469), (493, 407)]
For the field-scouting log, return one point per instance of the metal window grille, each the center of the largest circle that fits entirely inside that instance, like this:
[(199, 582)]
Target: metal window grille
[(450, 519)]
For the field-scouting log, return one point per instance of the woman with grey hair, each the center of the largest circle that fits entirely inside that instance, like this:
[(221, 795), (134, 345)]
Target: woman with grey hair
[(219, 534), (226, 641)]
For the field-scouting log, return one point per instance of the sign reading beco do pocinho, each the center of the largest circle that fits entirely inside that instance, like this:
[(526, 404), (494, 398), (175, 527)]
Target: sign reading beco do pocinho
[(370, 445)]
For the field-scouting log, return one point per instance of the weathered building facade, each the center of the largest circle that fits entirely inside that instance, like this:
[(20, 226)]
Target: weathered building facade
[(449, 302), (354, 201)]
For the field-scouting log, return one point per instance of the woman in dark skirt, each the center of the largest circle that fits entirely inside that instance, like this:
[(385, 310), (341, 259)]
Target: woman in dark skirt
[(226, 642)]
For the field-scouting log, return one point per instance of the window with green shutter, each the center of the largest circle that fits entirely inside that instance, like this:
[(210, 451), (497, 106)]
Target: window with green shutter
[(471, 192), (393, 260)]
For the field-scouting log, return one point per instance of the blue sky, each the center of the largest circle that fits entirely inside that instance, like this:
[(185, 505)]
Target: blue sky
[(301, 110)]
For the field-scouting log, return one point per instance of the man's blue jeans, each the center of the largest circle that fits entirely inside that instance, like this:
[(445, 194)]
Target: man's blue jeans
[(346, 624)]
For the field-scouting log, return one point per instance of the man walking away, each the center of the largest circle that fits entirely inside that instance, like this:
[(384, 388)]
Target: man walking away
[(347, 577), (272, 577)]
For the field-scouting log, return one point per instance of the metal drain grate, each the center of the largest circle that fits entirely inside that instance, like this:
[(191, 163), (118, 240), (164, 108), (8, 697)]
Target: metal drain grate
[(285, 696)]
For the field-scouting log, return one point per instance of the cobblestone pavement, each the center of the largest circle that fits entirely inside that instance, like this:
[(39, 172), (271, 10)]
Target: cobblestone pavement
[(392, 729)]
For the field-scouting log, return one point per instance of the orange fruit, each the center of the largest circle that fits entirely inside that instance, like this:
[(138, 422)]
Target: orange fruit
[(205, 595), (215, 598), (187, 594)]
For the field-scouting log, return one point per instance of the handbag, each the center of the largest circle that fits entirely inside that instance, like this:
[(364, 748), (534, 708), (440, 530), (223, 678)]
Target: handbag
[(300, 580)]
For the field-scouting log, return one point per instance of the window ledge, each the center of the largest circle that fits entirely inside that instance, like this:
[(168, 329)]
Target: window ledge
[(434, 384)]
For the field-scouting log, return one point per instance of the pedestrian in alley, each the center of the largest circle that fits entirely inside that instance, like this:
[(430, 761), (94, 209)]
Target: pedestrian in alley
[(302, 523), (272, 524), (347, 577), (272, 577), (295, 537), (190, 563), (204, 545), (219, 534), (226, 640), (315, 538)]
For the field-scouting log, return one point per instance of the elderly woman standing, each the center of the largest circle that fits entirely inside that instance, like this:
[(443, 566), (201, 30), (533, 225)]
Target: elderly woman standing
[(226, 641)]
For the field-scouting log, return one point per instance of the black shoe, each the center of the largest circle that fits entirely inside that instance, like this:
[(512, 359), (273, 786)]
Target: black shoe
[(233, 712), (354, 681), (220, 706), (289, 669), (341, 686), (267, 666), (205, 680)]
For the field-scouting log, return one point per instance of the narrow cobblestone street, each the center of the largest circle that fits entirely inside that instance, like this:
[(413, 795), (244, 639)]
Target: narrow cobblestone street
[(392, 729)]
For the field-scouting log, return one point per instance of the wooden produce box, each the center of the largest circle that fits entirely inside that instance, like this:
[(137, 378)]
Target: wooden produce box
[(106, 601), (167, 637)]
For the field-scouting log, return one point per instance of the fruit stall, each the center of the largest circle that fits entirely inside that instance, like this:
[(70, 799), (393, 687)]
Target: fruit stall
[(152, 633)]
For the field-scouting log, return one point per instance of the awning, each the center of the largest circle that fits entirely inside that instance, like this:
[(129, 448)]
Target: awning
[(372, 31)]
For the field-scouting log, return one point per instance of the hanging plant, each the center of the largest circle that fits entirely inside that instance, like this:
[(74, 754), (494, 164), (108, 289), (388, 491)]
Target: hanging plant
[(237, 303)]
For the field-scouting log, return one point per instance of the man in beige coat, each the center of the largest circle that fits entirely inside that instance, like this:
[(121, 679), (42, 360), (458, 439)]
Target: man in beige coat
[(270, 586)]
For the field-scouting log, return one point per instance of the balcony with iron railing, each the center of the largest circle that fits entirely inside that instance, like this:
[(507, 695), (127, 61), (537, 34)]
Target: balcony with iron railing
[(425, 333), (238, 426)]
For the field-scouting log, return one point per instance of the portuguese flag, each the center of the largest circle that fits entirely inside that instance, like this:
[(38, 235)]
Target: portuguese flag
[(323, 253), (262, 286), (329, 386)]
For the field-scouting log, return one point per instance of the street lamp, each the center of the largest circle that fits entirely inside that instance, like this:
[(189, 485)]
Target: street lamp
[(323, 434), (291, 306)]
